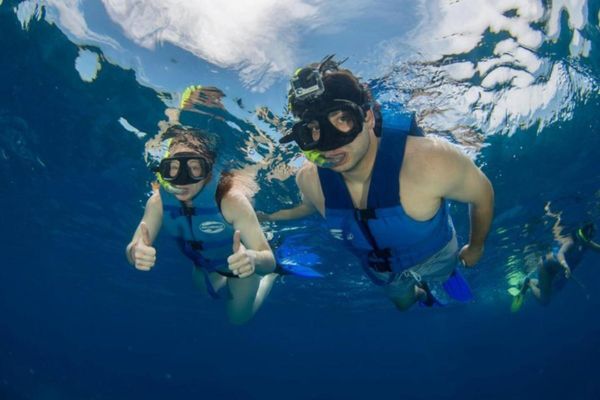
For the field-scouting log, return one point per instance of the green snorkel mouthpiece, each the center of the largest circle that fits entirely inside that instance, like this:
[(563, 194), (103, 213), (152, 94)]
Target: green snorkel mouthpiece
[(316, 157)]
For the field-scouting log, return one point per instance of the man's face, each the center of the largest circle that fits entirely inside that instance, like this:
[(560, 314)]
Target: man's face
[(345, 158)]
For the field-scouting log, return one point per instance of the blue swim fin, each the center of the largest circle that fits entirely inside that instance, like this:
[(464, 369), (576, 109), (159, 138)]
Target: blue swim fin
[(454, 288), (457, 287), (296, 259), (297, 270), (432, 300)]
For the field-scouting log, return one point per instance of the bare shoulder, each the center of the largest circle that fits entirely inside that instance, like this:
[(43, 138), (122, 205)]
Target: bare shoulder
[(235, 204), (435, 155), (431, 146)]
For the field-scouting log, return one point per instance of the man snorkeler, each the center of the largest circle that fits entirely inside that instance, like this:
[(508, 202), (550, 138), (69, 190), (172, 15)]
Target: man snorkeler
[(384, 190), (557, 266), (214, 223)]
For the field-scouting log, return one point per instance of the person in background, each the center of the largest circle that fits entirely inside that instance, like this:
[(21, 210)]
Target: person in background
[(557, 266)]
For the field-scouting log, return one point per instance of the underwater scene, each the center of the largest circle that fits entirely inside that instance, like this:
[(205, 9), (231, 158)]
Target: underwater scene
[(299, 199)]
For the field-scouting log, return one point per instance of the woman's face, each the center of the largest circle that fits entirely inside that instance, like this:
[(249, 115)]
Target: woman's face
[(188, 192)]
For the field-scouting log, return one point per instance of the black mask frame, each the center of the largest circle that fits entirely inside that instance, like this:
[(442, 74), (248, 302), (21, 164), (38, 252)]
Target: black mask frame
[(330, 137), (183, 176)]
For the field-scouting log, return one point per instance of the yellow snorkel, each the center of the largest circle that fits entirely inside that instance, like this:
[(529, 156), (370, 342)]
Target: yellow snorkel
[(315, 157), (166, 185), (185, 96), (589, 242)]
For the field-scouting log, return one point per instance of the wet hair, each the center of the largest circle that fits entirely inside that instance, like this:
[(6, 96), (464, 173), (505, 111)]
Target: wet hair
[(200, 142), (195, 139)]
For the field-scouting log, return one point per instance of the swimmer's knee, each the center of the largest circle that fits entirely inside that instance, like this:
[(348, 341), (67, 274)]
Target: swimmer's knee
[(403, 304), (239, 318)]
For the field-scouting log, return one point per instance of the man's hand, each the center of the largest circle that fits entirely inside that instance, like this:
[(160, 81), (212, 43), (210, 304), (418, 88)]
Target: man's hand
[(469, 254), (242, 261), (142, 253), (262, 217)]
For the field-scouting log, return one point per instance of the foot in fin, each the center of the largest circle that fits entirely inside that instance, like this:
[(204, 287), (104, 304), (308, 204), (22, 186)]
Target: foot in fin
[(430, 299), (519, 295), (457, 287)]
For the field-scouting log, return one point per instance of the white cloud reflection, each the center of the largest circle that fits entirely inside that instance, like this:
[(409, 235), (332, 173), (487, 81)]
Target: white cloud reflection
[(261, 39), (489, 50), (510, 85), (255, 37), (68, 14)]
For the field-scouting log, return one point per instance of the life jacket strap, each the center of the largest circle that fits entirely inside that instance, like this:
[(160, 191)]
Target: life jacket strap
[(196, 245), (379, 260), (365, 214)]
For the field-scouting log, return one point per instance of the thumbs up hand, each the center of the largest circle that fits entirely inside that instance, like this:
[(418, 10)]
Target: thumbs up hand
[(242, 261), (142, 252)]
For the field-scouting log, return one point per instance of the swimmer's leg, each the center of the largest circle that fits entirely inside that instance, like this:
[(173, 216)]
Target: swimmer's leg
[(264, 288), (240, 307), (547, 273), (200, 277), (405, 298), (411, 285), (534, 285)]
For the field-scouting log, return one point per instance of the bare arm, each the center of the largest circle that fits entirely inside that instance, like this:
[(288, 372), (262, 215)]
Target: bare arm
[(560, 256), (303, 210), (308, 182), (466, 183), (239, 212), (152, 219), (456, 177)]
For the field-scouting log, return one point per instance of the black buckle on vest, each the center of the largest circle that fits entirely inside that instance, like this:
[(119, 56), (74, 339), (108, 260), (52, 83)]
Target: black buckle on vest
[(188, 211), (364, 215), (196, 245), (379, 260)]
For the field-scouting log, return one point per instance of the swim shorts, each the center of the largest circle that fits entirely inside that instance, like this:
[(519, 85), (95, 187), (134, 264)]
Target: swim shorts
[(436, 268)]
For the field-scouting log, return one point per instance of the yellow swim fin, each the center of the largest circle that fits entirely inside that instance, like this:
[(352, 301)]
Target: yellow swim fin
[(517, 303)]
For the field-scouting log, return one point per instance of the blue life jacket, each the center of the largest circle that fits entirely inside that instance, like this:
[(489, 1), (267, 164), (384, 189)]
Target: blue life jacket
[(383, 235), (574, 253), (202, 233)]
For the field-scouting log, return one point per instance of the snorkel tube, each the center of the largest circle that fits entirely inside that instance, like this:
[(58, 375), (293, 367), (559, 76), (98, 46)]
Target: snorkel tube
[(166, 185), (583, 236)]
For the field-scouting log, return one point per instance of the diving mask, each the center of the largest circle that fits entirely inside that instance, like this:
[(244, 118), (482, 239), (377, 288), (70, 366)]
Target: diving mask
[(334, 126), (184, 169)]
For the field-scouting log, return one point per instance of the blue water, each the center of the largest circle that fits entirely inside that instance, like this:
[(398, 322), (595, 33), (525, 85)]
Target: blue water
[(77, 322)]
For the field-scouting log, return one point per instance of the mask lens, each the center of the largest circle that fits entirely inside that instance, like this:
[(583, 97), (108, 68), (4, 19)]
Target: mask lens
[(169, 169), (307, 134), (183, 169), (196, 169), (343, 121)]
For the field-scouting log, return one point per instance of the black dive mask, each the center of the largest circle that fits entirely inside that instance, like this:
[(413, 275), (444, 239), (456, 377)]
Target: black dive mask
[(184, 169), (316, 131)]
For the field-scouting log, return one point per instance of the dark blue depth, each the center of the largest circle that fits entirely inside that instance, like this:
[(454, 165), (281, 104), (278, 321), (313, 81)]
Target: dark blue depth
[(77, 322)]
